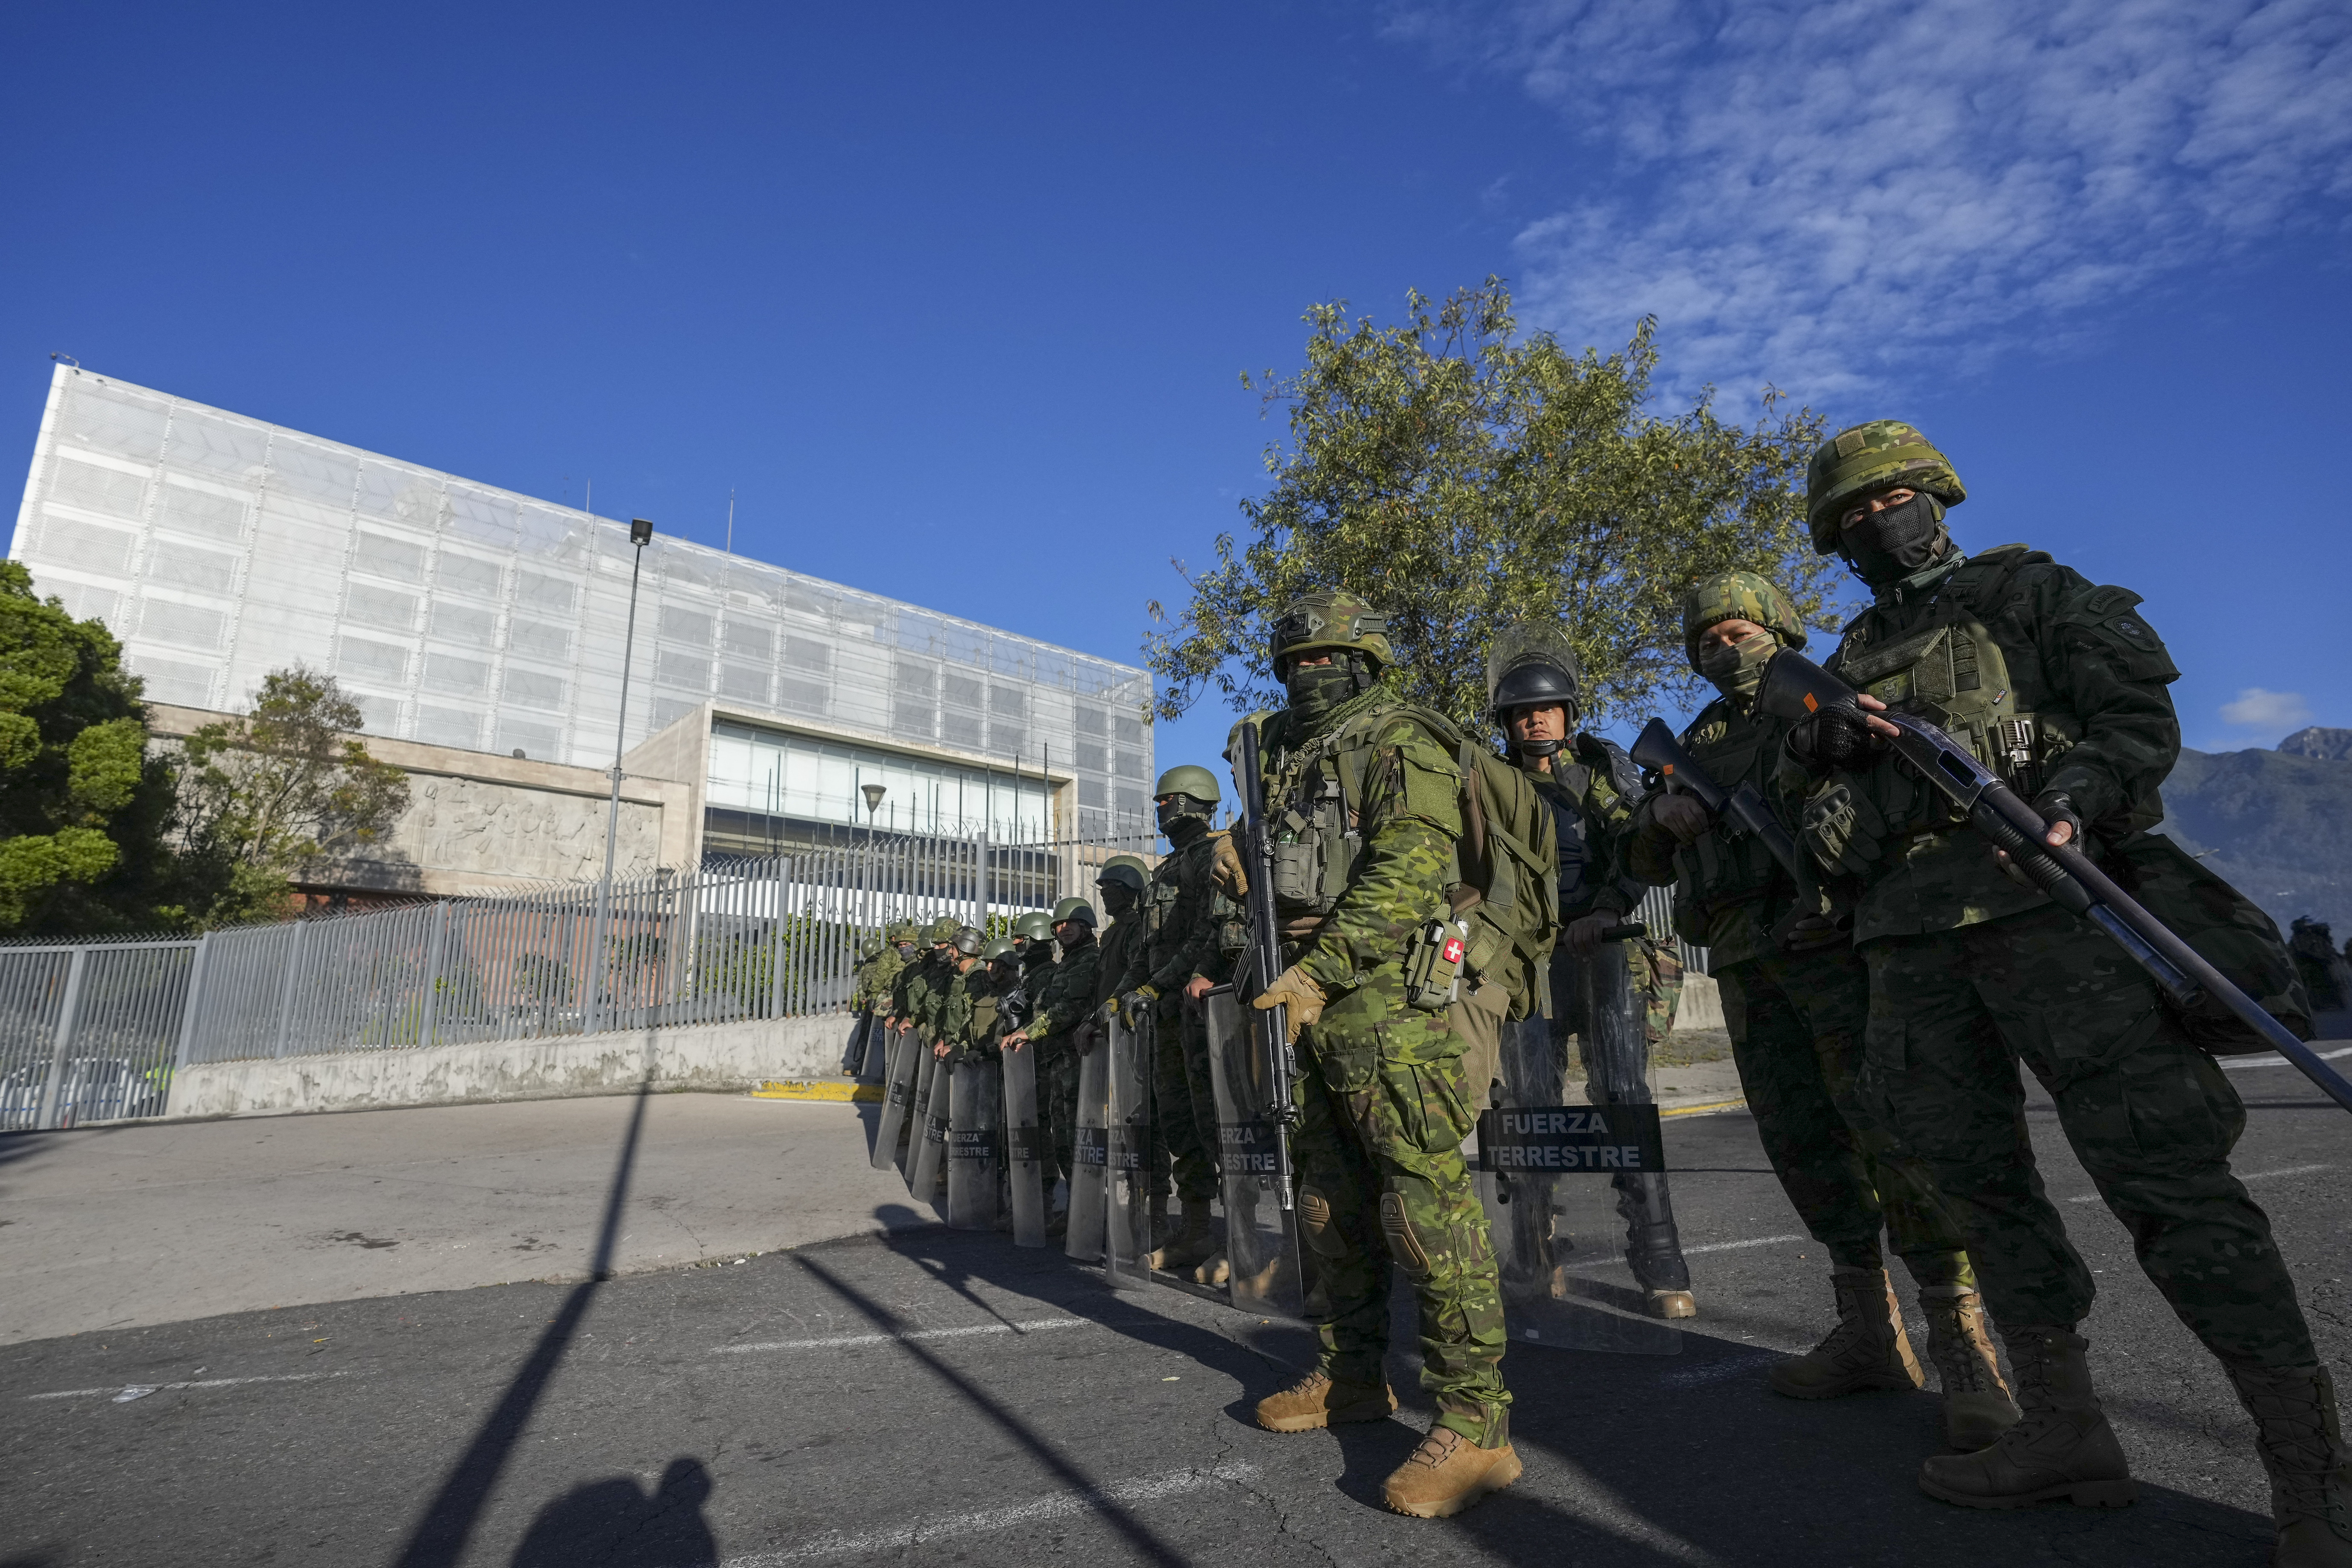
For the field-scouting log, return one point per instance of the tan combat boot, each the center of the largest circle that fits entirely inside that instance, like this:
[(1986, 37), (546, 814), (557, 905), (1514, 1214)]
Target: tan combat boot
[(2302, 1446), (1448, 1473), (2061, 1447), (1867, 1350), (1215, 1269), (1977, 1407), (1671, 1304), (1316, 1401), (1194, 1240)]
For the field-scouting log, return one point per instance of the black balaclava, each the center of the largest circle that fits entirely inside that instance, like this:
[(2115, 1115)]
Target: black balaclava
[(1895, 541), (1182, 820), (1738, 671), (1318, 691), (1117, 899)]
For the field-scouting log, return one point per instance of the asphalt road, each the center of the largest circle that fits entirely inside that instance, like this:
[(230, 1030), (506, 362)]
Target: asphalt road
[(940, 1396)]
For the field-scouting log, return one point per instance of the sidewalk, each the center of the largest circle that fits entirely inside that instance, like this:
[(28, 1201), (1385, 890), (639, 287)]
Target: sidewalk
[(111, 1228)]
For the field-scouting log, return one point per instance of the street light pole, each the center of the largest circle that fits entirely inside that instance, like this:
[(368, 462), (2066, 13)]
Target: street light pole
[(874, 794), (641, 533)]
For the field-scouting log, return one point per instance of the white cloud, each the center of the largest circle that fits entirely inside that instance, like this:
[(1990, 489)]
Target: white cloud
[(1829, 194), (2256, 709)]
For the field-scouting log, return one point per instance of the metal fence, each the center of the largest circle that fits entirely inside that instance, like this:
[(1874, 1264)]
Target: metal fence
[(94, 1032)]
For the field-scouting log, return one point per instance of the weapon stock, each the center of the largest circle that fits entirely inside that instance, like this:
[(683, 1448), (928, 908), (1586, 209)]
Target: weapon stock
[(1743, 808), (1262, 961), (1796, 687)]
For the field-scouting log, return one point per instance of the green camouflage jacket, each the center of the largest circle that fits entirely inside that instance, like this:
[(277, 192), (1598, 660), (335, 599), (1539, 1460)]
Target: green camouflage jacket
[(926, 988), (1729, 892), (1125, 960), (968, 1016), (2081, 659), (1405, 806), (876, 981), (1067, 997), (1183, 941)]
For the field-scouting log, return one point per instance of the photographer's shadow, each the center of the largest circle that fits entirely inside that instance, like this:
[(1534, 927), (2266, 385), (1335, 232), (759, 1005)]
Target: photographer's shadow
[(614, 1523)]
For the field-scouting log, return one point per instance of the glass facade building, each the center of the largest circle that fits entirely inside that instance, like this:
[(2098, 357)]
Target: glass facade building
[(218, 547)]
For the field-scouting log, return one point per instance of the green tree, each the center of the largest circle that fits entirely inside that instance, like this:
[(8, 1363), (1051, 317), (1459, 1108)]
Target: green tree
[(1462, 476), (82, 806), (266, 797)]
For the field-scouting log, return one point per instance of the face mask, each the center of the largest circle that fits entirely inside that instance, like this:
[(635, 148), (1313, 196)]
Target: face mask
[(1117, 898), (1318, 689), (1738, 670), (1889, 546), (1179, 821)]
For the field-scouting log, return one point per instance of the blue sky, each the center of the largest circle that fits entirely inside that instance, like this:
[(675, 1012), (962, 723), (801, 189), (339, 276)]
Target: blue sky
[(955, 299)]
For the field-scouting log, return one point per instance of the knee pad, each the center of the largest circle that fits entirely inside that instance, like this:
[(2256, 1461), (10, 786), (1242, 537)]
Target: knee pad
[(1323, 1238), (1404, 1242)]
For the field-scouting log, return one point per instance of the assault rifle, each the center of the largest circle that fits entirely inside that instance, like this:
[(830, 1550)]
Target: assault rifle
[(1797, 688), (1742, 809), (1261, 958)]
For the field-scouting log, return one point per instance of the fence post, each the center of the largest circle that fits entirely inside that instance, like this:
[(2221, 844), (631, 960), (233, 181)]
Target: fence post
[(285, 993), (428, 1016), (195, 1000), (65, 1037)]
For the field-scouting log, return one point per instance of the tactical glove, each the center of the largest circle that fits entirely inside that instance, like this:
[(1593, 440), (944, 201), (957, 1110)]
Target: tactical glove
[(2053, 807), (1843, 830), (1136, 1006), (1835, 739), (1298, 993)]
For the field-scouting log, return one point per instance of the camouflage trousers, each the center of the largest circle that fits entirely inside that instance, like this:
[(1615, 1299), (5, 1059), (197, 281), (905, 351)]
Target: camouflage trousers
[(1382, 1180), (1796, 1022), (2150, 1117), (1657, 971), (1057, 1104), (1183, 1105)]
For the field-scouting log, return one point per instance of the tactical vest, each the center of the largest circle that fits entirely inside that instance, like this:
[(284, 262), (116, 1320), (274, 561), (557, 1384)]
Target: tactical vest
[(1732, 749), (1950, 671)]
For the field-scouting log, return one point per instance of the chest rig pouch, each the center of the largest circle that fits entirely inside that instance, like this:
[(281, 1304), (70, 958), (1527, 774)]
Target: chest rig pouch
[(1720, 865), (1316, 842), (1953, 674)]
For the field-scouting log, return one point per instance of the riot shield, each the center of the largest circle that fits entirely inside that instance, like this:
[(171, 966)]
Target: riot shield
[(1087, 1155), (1126, 1207), (920, 1049), (872, 1062), (1615, 1047), (1550, 1160), (975, 1124), (931, 1153), (897, 1100), (1261, 1236), (1025, 1147)]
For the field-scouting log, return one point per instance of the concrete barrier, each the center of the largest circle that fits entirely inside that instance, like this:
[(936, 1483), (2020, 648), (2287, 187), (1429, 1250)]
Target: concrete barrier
[(740, 1056), (1701, 1007)]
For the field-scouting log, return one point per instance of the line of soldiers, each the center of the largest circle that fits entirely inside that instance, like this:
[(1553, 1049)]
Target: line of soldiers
[(1879, 996)]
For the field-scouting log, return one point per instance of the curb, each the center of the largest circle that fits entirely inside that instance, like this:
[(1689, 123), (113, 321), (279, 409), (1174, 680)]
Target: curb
[(1710, 1107), (840, 1093)]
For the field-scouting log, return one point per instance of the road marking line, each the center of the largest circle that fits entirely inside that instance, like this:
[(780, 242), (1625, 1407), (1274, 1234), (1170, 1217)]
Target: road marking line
[(1058, 1505), (1694, 1251), (2248, 1176), (128, 1392), (2275, 1060), (844, 1341)]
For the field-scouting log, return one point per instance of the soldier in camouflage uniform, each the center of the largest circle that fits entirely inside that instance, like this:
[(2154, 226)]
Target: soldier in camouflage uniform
[(870, 991), (1058, 1011), (1590, 786), (1178, 967), (2059, 685), (1795, 997), (1370, 805)]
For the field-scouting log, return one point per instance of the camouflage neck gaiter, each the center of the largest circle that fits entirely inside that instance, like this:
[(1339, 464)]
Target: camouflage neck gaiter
[(1738, 670)]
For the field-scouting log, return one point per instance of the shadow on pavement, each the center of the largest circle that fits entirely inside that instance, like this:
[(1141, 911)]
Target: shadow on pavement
[(440, 1537), (617, 1525), (1637, 1459)]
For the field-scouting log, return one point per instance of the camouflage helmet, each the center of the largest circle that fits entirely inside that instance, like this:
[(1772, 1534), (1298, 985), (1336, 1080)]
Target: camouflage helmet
[(1125, 871), (1035, 926), (1877, 455), (870, 949), (900, 934), (1739, 595), (1077, 909), (943, 931), (1197, 782), (967, 940), (998, 947), (1330, 621)]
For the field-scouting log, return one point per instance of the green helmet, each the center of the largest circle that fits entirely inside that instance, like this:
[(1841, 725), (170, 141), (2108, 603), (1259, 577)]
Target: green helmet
[(899, 931), (1077, 909), (968, 939), (943, 930), (1197, 782), (1125, 870), (1036, 926), (1742, 596), (1876, 455), (1331, 621), (999, 947), (871, 948)]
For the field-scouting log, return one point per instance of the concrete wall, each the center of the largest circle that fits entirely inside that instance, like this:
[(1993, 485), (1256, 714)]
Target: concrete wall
[(477, 821), (1701, 1007), (708, 1057)]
